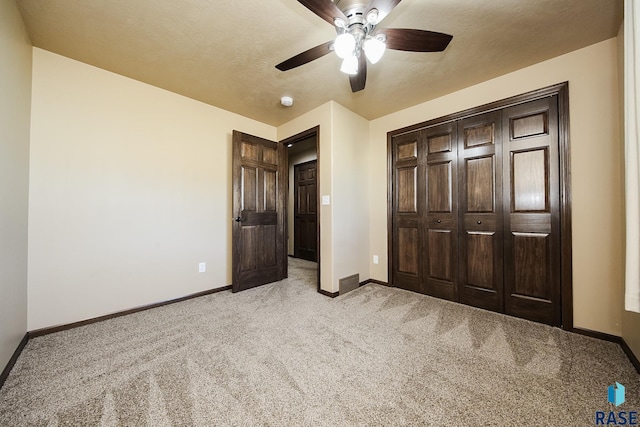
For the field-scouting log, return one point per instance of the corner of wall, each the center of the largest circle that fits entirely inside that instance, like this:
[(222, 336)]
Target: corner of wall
[(322, 117), (15, 118), (350, 204), (630, 320)]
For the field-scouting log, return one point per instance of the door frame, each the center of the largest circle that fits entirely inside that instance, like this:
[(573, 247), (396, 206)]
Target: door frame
[(315, 131), (561, 90)]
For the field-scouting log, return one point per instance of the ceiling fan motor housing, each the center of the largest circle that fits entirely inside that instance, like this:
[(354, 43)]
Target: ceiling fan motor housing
[(358, 26)]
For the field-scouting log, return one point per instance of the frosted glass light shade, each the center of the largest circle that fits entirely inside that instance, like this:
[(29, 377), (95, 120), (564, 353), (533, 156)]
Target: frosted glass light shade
[(350, 65), (344, 45), (374, 49)]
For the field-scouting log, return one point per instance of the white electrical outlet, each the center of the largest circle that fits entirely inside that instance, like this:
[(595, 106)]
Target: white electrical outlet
[(375, 259), (202, 267)]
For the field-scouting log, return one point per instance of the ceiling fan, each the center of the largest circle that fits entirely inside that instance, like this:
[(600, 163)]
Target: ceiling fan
[(358, 38)]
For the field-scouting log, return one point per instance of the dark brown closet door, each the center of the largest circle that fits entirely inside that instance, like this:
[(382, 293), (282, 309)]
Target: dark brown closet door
[(439, 260), (532, 211), (480, 194), (407, 223)]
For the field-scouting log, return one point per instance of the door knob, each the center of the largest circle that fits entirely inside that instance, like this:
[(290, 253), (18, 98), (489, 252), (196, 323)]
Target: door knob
[(438, 221), (479, 222), (237, 219)]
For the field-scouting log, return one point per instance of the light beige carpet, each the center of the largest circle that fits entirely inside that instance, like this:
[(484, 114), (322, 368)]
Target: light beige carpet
[(282, 355)]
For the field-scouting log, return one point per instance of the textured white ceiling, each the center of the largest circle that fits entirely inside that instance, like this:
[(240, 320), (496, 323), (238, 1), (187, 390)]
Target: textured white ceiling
[(224, 52)]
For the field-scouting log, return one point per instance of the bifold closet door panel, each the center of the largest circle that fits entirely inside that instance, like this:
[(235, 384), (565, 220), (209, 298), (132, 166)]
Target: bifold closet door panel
[(408, 234), (532, 211), (480, 259), (440, 262)]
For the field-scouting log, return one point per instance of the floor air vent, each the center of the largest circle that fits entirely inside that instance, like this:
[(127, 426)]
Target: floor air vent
[(349, 283)]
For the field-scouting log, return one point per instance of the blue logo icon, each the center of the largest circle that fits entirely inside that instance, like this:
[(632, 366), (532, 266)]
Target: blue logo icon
[(616, 394)]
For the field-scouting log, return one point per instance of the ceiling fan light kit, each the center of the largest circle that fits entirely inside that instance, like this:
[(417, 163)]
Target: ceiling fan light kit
[(350, 65), (350, 44), (358, 38), (372, 16), (374, 48), (344, 45)]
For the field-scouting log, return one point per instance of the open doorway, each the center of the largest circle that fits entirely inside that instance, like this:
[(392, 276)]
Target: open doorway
[(303, 219)]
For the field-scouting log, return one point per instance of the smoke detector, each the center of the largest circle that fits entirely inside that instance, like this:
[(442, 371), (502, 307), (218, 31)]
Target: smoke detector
[(287, 101)]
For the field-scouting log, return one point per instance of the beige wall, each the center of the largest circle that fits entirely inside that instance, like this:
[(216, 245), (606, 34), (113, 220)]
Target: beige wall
[(349, 167), (130, 190), (342, 176), (595, 162), (296, 159), (15, 106), (320, 116), (630, 320)]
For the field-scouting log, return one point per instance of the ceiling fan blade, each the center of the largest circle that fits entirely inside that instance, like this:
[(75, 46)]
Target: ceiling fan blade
[(383, 6), (359, 80), (415, 40), (306, 56), (325, 9)]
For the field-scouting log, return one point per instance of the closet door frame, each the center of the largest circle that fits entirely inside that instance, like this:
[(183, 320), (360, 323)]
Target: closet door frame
[(561, 90)]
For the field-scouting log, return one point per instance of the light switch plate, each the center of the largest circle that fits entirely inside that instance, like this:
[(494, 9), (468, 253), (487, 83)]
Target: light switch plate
[(326, 200)]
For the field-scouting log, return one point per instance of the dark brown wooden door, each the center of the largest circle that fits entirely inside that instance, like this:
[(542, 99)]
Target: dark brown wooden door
[(408, 242), (475, 208), (305, 225), (437, 158), (481, 244), (259, 186), (425, 211), (531, 208)]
